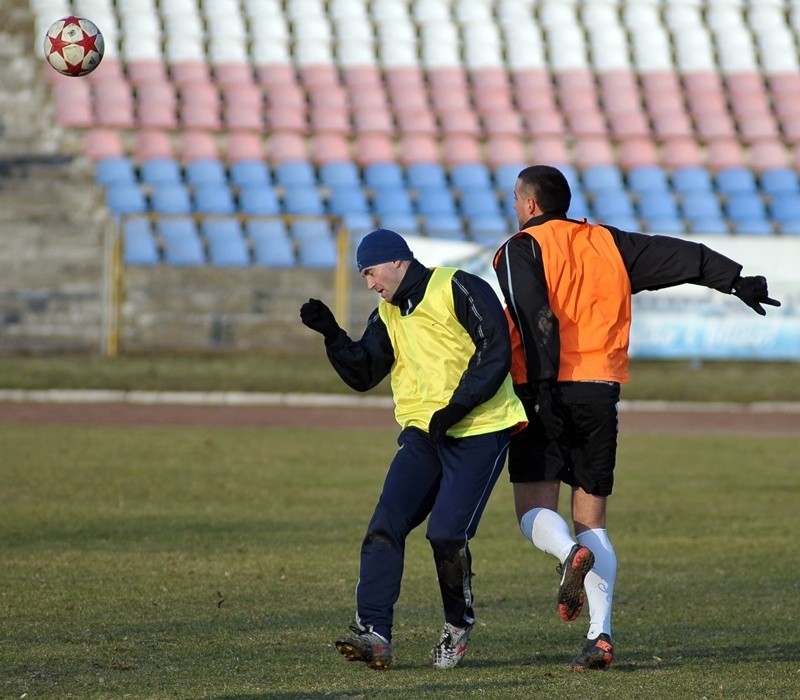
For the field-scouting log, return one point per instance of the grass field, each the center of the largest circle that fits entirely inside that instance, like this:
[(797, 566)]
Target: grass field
[(220, 563)]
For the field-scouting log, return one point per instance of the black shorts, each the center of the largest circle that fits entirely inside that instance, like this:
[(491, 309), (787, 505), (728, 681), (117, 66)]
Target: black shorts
[(586, 451)]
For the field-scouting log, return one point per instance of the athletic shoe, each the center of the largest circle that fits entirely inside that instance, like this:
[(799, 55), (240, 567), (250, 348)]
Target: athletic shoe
[(364, 645), (597, 655), (570, 592), (451, 647)]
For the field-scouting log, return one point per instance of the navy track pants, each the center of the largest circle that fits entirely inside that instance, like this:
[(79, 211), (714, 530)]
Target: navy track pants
[(451, 483)]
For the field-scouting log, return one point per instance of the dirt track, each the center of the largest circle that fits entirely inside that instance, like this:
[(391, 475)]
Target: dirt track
[(631, 420)]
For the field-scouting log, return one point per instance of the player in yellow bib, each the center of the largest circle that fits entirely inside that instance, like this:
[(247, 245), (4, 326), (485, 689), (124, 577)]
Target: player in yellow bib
[(442, 337)]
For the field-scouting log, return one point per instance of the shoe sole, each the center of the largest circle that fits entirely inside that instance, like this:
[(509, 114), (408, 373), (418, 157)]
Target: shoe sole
[(599, 660), (570, 593), (353, 653)]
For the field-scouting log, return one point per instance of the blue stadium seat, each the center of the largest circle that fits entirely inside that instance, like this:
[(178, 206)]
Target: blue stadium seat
[(626, 222), (182, 244), (602, 178), (470, 176), (745, 207), (384, 175), (358, 224), (404, 224), (573, 177), (701, 205), (250, 172), (505, 176), (447, 226), (435, 200), (170, 199), (644, 179), (735, 181), (488, 230), (272, 246), (392, 200), (339, 173), (578, 207), (226, 243), (692, 178), (667, 225), (658, 205), (422, 175), (295, 172), (347, 199), (125, 199), (259, 199), (205, 171), (779, 181), (160, 171), (213, 199), (315, 243), (785, 208), (479, 202), (115, 170), (612, 204), (303, 200), (139, 245)]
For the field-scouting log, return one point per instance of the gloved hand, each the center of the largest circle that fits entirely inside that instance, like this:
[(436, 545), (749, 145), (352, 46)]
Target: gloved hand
[(318, 317), (444, 419), (543, 402), (753, 292)]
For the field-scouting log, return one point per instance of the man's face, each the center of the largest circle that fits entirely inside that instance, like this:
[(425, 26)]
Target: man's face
[(384, 279), (524, 205)]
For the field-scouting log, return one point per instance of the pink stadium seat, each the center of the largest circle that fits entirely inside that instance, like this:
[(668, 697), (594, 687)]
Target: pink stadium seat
[(284, 146), (489, 100), (671, 124), (588, 123), (550, 150), (329, 119), (710, 125), (243, 145), (460, 148), (660, 81), (544, 122), (274, 74), (577, 102), (754, 127), (592, 150), (418, 148), (636, 151), (353, 76), (115, 113), (445, 100), (200, 115), (444, 79), (284, 118), (702, 83), (183, 72), (533, 89), (628, 125), (152, 143), (407, 97), (679, 152), (373, 148), (459, 121), (724, 153), (142, 71), (502, 150), (618, 85), (329, 147), (780, 84), (767, 154), (320, 76), (110, 71), (233, 74), (420, 121), (152, 91), (102, 143), (73, 100), (239, 117), (366, 98), (505, 123), (194, 144), (400, 77), (373, 120)]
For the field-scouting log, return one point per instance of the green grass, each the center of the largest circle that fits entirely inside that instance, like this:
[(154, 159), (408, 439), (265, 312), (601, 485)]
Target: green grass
[(220, 563), (667, 380)]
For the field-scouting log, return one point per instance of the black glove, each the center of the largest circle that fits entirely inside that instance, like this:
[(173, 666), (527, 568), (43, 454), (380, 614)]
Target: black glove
[(318, 317), (444, 419), (753, 292), (551, 424)]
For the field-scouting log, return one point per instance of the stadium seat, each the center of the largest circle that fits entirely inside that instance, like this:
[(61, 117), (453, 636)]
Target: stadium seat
[(735, 181), (125, 198), (690, 179), (205, 171), (784, 207), (611, 205), (406, 224), (646, 179), (138, 243), (210, 198), (272, 246), (303, 200), (447, 226), (384, 175), (226, 244), (471, 175), (160, 171), (249, 172), (422, 175), (779, 181), (171, 199), (295, 172), (391, 201), (347, 199), (315, 243), (488, 230), (656, 205), (481, 202), (114, 171), (602, 179), (435, 201), (259, 199), (182, 244), (339, 173)]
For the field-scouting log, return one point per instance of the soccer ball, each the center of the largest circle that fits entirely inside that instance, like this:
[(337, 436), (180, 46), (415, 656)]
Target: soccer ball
[(74, 46)]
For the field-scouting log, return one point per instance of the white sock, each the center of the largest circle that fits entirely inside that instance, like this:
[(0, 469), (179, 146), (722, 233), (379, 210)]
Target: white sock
[(599, 582), (548, 531)]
